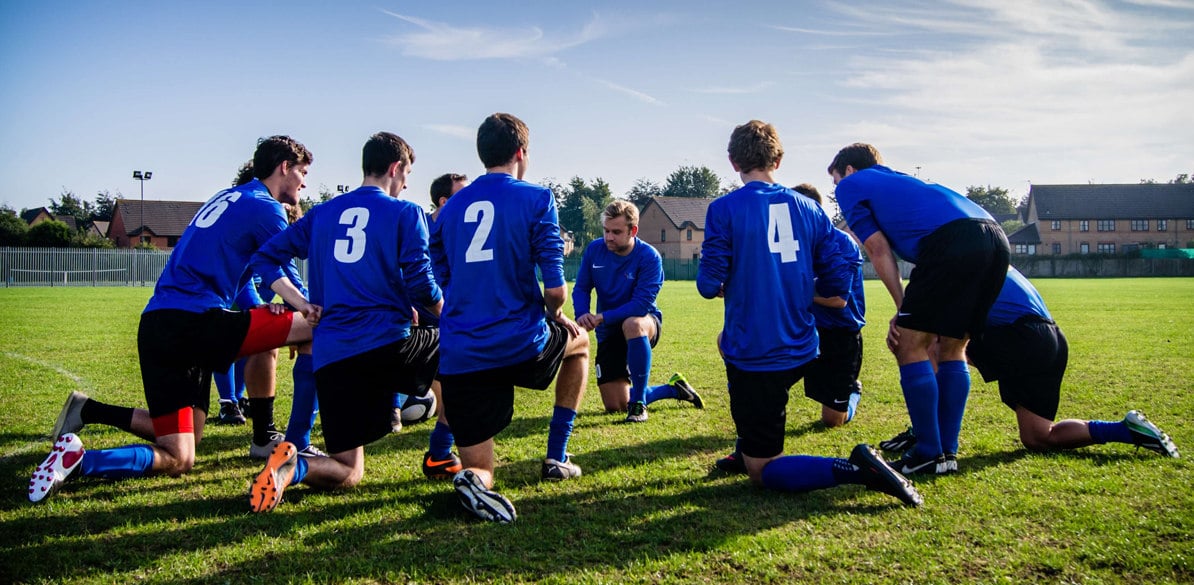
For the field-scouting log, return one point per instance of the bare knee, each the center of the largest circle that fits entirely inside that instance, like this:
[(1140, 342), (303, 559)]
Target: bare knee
[(1034, 441), (175, 466)]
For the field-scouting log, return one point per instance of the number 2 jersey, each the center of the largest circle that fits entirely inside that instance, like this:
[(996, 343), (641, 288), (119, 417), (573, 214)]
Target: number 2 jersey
[(209, 265), (765, 244), (367, 266), (486, 244)]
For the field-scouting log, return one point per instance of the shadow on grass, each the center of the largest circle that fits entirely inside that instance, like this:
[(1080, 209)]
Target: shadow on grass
[(618, 514)]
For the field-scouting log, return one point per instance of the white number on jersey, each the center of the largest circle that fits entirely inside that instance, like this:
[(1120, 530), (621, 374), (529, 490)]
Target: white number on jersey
[(352, 248), (214, 209), (482, 212), (781, 239)]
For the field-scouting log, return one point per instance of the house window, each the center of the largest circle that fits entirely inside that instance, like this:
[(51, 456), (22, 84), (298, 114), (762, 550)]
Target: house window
[(1106, 248), (1029, 249), (1083, 248), (1162, 246), (1162, 225), (1055, 224), (1138, 225), (1056, 248), (171, 241), (663, 235), (1084, 225), (1106, 225), (690, 234), (1190, 224)]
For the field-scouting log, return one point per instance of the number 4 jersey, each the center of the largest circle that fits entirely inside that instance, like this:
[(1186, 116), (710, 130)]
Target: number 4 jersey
[(208, 266), (487, 243), (367, 267), (765, 243)]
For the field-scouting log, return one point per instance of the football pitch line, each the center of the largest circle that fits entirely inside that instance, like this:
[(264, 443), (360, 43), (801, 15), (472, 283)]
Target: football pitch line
[(40, 445)]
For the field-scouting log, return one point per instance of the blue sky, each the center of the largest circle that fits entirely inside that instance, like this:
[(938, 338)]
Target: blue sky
[(972, 92)]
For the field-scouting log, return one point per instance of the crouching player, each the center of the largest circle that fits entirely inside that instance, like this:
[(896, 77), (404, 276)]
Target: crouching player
[(368, 265), (187, 331)]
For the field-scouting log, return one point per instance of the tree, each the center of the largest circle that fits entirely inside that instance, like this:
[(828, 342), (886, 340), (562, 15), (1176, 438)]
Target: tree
[(642, 191), (105, 205), (325, 194), (730, 186), (995, 200), (689, 181), (89, 240), (69, 204), (50, 234), (12, 228), (580, 212)]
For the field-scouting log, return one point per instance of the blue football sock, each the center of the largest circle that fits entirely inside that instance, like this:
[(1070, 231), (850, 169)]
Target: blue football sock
[(638, 359), (225, 384), (799, 473), (302, 409), (953, 387), (118, 463), (300, 470), (559, 433), (238, 379), (660, 392), (920, 395), (1104, 431), (440, 441), (399, 399)]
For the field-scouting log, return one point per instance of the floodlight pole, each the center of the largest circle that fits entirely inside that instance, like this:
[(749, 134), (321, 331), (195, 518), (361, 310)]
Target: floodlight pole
[(142, 176)]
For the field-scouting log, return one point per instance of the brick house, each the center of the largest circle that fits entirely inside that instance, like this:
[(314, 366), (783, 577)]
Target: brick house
[(164, 222), (36, 216), (1109, 219), (675, 226)]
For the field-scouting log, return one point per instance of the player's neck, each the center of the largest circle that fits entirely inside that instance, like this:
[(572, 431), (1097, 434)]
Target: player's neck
[(514, 168), (766, 176)]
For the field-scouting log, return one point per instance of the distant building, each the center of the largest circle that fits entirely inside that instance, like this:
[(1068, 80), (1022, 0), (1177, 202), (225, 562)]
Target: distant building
[(675, 226), (36, 216), (1109, 219), (159, 223)]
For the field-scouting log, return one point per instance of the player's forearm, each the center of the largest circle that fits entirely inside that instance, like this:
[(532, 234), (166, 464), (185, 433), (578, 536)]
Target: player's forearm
[(554, 298), (288, 292)]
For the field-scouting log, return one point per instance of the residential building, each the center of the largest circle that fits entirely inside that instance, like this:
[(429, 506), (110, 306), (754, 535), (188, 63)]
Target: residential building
[(675, 226), (159, 223), (1109, 219)]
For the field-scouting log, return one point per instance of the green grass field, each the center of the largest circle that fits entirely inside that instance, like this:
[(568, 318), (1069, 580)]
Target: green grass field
[(649, 508)]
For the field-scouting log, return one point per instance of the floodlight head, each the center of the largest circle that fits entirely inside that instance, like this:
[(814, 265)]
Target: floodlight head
[(148, 175), (136, 174)]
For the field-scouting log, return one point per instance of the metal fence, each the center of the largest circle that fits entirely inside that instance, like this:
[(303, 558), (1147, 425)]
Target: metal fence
[(80, 267)]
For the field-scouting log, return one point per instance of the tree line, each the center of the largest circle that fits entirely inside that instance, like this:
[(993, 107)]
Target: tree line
[(57, 234)]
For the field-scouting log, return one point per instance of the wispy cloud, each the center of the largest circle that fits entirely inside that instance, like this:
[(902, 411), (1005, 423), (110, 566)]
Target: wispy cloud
[(746, 89), (634, 93), (452, 130), (444, 42)]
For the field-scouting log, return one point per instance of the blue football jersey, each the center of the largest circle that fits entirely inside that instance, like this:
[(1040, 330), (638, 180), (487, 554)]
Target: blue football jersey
[(764, 244), (903, 207), (1018, 298), (626, 285), (853, 315), (368, 264), (209, 265), (486, 244)]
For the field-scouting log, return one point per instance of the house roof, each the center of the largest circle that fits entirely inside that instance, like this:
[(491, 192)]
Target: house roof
[(1028, 234), (682, 210), (101, 227), (162, 218), (69, 220), (1132, 201), (29, 215)]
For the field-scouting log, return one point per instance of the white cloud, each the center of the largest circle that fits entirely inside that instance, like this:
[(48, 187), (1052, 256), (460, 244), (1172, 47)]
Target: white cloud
[(452, 130), (634, 93), (746, 89), (444, 42)]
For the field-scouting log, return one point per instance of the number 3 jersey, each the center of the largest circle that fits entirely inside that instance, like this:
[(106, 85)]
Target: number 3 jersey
[(765, 243), (487, 243), (207, 268), (367, 266)]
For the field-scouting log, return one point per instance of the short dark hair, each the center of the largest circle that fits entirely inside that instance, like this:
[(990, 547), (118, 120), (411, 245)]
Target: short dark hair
[(499, 138), (441, 187), (859, 155), (244, 174), (382, 150), (755, 145), (276, 150), (809, 191)]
